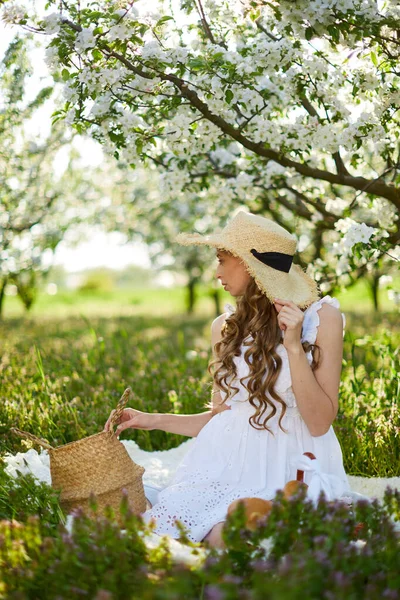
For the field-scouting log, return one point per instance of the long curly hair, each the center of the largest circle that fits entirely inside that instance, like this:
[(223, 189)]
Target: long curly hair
[(256, 316)]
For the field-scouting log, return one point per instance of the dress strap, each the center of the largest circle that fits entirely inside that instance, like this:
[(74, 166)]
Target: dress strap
[(311, 318), (228, 308)]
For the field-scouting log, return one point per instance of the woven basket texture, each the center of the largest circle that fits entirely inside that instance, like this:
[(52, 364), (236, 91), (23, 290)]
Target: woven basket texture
[(99, 465)]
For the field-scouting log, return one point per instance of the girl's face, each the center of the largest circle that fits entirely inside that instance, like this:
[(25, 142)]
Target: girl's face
[(232, 273)]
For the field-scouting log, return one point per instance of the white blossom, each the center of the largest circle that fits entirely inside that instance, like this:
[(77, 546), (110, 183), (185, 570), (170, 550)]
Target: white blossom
[(85, 40), (13, 13), (384, 212), (127, 14), (336, 205), (102, 105), (52, 23), (343, 265), (120, 31), (152, 49), (353, 233), (395, 252), (384, 280), (394, 296), (51, 57)]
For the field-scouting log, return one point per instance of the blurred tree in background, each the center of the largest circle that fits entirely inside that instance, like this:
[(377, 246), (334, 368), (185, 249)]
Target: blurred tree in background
[(40, 198)]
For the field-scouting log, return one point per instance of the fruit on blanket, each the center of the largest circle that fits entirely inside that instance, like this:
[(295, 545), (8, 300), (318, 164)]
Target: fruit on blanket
[(254, 508), (292, 487)]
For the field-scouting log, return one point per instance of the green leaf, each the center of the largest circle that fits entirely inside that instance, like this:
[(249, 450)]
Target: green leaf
[(196, 63), (309, 33), (334, 33), (163, 20), (65, 74), (97, 55), (228, 96), (374, 58), (254, 15)]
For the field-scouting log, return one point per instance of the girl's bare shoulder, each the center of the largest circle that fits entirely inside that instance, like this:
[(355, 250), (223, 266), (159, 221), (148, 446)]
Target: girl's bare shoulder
[(219, 321), (330, 323), (216, 328)]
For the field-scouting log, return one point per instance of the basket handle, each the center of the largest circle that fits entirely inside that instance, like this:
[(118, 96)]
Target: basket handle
[(120, 407), (31, 437)]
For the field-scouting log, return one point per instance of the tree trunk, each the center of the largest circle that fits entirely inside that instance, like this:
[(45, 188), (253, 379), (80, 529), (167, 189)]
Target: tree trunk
[(217, 302), (2, 294), (191, 296), (373, 284), (318, 242)]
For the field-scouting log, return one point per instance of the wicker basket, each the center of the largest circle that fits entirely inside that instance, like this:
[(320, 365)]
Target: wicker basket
[(98, 465)]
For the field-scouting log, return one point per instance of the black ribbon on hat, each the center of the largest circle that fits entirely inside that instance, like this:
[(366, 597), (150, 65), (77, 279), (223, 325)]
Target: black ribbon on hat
[(276, 260)]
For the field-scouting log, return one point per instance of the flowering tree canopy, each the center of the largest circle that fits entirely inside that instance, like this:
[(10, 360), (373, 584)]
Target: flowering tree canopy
[(39, 200), (286, 107)]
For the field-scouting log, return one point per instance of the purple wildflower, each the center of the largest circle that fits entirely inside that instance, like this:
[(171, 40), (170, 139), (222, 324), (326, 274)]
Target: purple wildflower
[(212, 592)]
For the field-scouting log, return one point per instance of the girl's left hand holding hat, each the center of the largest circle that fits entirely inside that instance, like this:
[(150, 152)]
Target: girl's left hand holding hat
[(290, 320)]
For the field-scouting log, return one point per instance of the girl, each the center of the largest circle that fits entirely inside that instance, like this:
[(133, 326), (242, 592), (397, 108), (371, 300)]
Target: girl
[(276, 374)]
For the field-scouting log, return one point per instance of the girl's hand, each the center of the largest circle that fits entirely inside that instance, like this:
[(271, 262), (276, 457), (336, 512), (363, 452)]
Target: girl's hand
[(290, 320), (131, 418)]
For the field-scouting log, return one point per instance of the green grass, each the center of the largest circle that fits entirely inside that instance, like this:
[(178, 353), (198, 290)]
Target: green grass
[(64, 368), (61, 378), (159, 302)]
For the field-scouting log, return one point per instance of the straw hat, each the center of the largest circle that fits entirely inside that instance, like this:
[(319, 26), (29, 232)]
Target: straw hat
[(267, 250)]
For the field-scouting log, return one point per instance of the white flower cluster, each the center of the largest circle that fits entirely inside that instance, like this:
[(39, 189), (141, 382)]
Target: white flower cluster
[(384, 280), (128, 120), (353, 233), (174, 182), (394, 296), (69, 91), (225, 156), (342, 265), (101, 105), (384, 212), (243, 186), (85, 40), (52, 23), (51, 58), (178, 128), (120, 31), (322, 12), (153, 50), (178, 54), (336, 206), (131, 12), (13, 13)]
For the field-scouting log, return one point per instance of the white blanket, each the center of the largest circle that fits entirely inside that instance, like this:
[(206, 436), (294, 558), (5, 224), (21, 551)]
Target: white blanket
[(160, 467)]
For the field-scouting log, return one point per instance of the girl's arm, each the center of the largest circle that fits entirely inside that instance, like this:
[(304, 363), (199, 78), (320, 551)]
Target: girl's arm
[(189, 425), (317, 391)]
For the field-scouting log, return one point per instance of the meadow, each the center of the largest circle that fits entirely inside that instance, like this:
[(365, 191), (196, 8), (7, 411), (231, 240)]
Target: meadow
[(162, 301), (64, 367)]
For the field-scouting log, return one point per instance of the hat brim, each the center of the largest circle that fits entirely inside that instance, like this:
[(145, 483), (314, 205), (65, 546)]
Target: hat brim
[(295, 285)]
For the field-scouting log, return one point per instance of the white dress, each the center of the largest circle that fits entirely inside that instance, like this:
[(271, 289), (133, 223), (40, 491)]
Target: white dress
[(230, 459)]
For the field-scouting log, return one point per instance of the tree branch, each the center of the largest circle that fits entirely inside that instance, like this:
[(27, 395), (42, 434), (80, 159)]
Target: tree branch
[(374, 186)]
